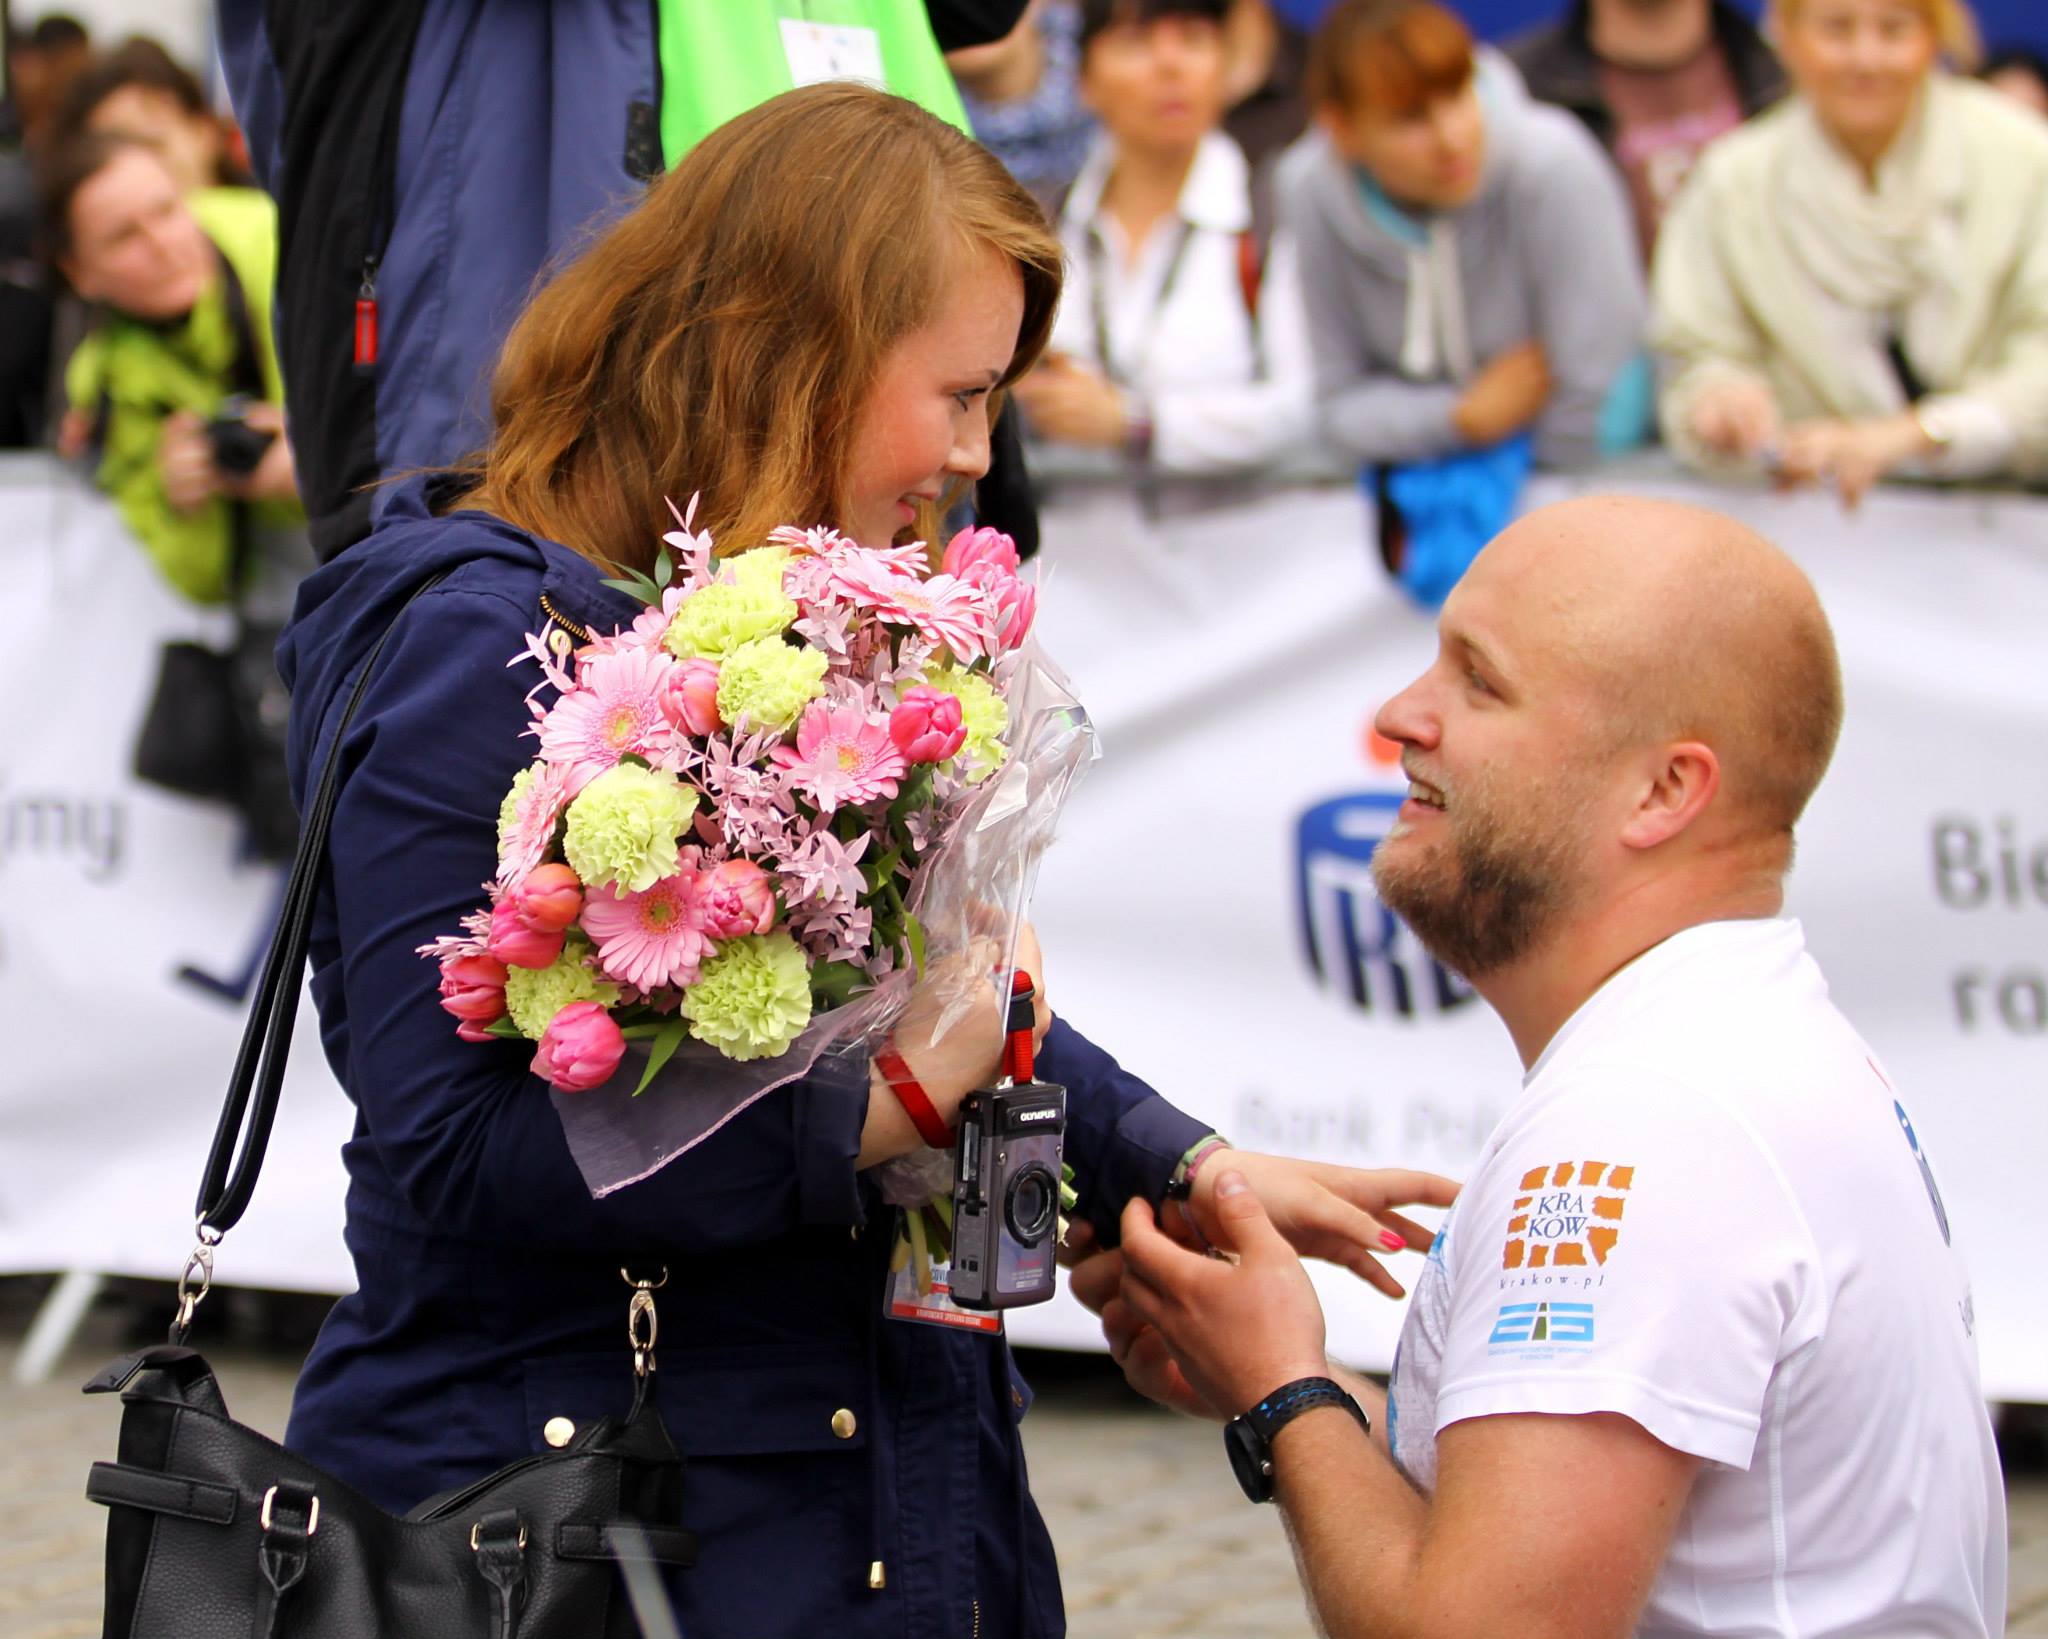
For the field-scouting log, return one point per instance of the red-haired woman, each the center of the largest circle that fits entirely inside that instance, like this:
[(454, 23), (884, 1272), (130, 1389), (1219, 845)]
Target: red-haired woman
[(806, 320)]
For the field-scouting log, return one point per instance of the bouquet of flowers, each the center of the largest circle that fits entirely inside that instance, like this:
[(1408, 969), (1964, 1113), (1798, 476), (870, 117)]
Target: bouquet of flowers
[(745, 813)]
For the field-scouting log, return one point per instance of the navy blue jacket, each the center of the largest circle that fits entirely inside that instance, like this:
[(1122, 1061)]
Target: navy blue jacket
[(490, 1299)]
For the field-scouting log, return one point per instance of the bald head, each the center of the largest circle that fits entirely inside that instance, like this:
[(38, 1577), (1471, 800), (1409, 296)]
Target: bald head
[(1676, 623)]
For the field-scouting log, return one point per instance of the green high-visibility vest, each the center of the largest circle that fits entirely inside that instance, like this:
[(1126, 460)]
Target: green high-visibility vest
[(721, 57)]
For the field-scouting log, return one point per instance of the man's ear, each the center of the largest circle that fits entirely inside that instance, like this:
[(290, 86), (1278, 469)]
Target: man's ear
[(68, 267), (1681, 782)]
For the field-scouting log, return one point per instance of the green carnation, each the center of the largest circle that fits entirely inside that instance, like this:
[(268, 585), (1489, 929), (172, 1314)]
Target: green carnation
[(983, 713), (760, 569), (623, 827), (534, 995), (753, 998), (765, 684), (724, 616)]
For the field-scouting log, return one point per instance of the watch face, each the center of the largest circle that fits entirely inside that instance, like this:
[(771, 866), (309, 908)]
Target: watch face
[(1248, 1460)]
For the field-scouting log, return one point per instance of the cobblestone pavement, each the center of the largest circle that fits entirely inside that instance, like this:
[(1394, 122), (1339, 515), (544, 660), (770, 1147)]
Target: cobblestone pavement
[(1155, 1542)]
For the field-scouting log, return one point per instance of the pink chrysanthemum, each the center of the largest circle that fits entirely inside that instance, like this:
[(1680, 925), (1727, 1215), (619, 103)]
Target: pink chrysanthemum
[(944, 609), (842, 755), (651, 938), (615, 709)]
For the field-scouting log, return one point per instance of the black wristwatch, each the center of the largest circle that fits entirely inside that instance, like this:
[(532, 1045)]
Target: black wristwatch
[(1249, 1439)]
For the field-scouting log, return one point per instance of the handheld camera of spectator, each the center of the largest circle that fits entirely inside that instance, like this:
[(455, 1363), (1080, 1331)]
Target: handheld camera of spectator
[(1006, 1179), (238, 448)]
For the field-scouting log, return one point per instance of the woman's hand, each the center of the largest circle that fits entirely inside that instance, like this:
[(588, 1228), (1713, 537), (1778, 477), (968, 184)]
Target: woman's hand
[(185, 459), (1070, 403), (1852, 455), (1343, 1215), (968, 1054), (1738, 419)]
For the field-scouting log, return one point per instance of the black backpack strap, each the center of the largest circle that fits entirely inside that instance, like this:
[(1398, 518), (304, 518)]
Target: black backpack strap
[(258, 1076)]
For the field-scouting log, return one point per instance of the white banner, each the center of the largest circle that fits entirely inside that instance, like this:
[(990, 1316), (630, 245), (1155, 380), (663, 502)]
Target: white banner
[(124, 916), (1207, 915)]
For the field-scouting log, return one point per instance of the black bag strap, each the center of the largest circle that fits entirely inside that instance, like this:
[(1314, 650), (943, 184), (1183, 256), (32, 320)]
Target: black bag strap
[(258, 1076)]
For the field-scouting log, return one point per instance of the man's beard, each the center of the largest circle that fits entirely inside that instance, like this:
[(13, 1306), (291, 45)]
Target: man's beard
[(1488, 894)]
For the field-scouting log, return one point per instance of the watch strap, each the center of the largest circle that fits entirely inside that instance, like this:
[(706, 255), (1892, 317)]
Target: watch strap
[(1288, 1402)]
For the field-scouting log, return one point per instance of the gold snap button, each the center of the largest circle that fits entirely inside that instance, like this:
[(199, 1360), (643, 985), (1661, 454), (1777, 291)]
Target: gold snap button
[(844, 1423), (558, 1432)]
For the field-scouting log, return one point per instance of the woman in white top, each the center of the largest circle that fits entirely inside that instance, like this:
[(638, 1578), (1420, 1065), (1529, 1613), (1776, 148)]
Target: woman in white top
[(1180, 347), (1173, 422), (1856, 283)]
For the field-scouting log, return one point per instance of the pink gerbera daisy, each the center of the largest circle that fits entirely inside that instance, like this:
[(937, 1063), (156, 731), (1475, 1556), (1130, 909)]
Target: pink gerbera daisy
[(527, 820), (842, 755), (945, 609), (652, 938), (614, 709)]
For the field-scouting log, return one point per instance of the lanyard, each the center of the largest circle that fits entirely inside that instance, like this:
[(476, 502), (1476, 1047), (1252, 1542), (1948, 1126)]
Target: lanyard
[(1098, 299)]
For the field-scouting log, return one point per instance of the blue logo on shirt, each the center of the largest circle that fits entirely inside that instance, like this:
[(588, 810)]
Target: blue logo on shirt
[(1543, 1323), (1926, 1172)]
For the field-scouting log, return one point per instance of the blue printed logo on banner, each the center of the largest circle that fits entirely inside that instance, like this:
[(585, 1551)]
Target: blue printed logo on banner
[(1543, 1323), (1355, 946)]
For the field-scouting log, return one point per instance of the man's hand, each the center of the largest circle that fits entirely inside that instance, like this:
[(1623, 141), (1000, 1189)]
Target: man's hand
[(1342, 1215), (1238, 1329), (1070, 403), (1852, 455), (1098, 1283), (1505, 396)]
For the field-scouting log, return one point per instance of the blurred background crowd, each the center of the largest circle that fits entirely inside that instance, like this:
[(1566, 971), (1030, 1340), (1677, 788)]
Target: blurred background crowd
[(1338, 247)]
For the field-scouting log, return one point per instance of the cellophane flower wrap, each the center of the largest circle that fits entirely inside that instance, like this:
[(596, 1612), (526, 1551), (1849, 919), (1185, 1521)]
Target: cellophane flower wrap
[(807, 776)]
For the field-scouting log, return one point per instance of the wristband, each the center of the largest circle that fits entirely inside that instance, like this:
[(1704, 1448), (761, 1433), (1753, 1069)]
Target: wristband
[(916, 1102), (1181, 1186)]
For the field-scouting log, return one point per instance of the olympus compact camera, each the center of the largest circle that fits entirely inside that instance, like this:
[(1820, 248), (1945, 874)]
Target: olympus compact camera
[(1006, 1195)]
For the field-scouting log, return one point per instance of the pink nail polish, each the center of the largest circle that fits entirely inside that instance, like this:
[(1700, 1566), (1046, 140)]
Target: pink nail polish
[(1391, 1241)]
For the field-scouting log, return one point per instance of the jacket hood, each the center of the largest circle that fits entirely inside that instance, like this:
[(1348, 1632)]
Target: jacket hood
[(345, 606), (1320, 174)]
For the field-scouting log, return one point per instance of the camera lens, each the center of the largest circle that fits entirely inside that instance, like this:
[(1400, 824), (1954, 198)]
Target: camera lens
[(1031, 1205)]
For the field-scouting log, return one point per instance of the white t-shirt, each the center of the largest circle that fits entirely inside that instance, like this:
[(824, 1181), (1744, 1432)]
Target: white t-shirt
[(1708, 1212)]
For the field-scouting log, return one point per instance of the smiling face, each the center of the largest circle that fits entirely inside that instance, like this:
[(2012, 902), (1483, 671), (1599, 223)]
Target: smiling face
[(925, 421), (1488, 853), (1859, 63)]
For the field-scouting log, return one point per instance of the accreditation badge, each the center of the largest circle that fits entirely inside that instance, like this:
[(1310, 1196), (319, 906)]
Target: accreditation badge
[(819, 52)]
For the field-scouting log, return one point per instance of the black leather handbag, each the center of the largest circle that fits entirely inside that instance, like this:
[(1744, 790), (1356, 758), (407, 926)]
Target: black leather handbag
[(216, 1532)]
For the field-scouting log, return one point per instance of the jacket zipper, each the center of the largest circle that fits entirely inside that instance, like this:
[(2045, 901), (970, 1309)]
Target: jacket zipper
[(977, 1620), (581, 634)]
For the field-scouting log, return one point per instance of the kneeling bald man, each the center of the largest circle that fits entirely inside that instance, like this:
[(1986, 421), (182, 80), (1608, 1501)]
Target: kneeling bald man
[(1692, 1353)]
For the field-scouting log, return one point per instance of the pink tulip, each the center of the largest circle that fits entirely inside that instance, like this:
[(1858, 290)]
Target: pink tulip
[(473, 989), (972, 547), (580, 1048), (738, 897), (692, 700), (1016, 603), (511, 940), (548, 898), (466, 1031), (926, 725)]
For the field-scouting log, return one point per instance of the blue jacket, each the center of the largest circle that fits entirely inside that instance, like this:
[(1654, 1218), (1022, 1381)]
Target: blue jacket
[(490, 1299)]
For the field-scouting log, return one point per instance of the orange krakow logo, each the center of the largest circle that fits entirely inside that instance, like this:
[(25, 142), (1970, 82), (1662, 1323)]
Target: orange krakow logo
[(1569, 1215)]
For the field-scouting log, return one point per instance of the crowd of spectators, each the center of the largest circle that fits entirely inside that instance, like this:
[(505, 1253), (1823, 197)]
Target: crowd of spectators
[(1306, 242)]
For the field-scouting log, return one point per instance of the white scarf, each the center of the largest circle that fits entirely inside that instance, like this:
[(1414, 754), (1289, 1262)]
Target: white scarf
[(1882, 260)]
